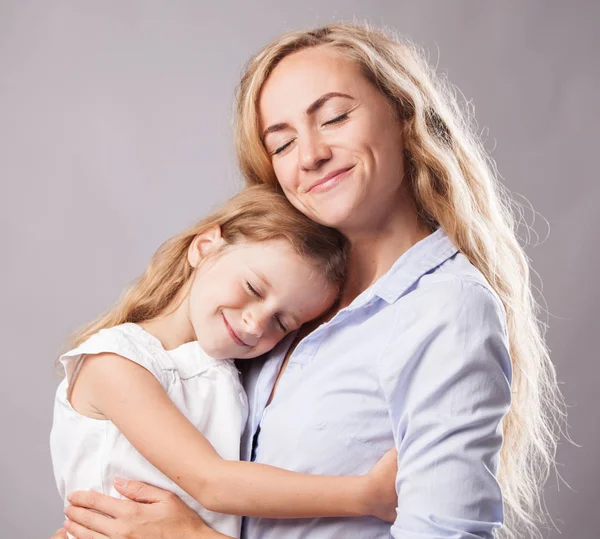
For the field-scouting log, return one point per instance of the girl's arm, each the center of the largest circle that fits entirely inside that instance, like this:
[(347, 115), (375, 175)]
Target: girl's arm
[(133, 399)]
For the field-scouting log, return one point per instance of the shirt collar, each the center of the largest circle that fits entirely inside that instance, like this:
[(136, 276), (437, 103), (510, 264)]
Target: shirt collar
[(423, 257)]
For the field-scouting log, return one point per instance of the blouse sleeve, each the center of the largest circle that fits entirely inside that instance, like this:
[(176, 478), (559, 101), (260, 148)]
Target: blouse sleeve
[(116, 340), (446, 376)]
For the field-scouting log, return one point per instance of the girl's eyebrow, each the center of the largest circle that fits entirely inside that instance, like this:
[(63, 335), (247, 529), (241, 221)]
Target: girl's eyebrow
[(312, 108)]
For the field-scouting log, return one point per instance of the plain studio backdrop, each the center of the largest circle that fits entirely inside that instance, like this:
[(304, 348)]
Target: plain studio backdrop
[(115, 133)]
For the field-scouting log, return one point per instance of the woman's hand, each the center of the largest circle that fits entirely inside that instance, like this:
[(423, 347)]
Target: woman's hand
[(59, 534), (149, 513), (380, 492)]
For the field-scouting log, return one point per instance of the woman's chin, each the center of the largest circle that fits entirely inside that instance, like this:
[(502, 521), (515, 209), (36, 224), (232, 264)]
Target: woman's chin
[(335, 214)]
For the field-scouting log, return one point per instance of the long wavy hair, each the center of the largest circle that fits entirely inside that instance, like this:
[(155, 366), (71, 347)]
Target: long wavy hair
[(454, 185), (256, 214)]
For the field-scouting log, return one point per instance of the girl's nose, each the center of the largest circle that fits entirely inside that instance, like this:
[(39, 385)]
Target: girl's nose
[(255, 321)]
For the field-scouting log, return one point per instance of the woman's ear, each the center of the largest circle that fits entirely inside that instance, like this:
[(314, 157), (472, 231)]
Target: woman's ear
[(204, 244)]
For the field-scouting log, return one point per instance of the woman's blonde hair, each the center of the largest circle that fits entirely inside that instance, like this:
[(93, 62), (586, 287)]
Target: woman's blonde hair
[(256, 214), (454, 185)]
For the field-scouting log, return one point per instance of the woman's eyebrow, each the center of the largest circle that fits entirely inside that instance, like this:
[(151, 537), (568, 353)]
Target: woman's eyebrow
[(316, 105), (273, 129), (312, 108)]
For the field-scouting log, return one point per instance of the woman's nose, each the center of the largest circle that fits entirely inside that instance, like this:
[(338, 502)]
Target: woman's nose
[(312, 152)]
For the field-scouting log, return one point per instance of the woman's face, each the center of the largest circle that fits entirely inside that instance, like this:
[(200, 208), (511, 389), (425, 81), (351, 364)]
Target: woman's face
[(334, 140)]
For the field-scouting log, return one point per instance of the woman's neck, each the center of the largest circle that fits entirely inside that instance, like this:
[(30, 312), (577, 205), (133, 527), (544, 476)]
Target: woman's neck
[(374, 251)]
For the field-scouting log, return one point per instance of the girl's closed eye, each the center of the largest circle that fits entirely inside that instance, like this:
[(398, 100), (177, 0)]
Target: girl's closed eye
[(252, 290), (281, 324)]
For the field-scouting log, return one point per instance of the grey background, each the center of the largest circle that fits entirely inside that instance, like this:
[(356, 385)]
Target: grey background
[(115, 132)]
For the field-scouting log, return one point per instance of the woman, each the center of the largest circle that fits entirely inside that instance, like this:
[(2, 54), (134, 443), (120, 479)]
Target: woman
[(435, 332)]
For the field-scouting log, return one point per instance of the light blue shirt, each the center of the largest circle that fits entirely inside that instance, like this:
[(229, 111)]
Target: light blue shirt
[(420, 361)]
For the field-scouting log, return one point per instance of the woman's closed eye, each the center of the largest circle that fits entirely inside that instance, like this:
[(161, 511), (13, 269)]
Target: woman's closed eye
[(282, 147), (337, 119)]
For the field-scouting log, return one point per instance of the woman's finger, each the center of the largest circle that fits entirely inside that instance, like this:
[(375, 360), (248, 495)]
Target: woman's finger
[(82, 533), (60, 534), (141, 492), (108, 505), (90, 520)]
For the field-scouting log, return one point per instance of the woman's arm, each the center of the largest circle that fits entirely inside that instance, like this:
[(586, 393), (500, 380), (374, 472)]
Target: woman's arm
[(158, 514), (133, 399), (447, 380)]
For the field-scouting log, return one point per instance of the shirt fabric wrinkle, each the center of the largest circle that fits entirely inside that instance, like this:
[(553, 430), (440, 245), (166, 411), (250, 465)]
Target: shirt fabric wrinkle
[(379, 374)]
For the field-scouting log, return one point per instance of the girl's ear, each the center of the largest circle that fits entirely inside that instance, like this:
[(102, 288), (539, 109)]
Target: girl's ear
[(204, 244)]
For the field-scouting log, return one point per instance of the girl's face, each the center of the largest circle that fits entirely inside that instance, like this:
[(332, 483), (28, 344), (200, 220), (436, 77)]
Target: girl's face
[(246, 297), (334, 139)]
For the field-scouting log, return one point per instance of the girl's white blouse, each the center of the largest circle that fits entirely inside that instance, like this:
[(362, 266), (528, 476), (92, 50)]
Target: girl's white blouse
[(87, 454)]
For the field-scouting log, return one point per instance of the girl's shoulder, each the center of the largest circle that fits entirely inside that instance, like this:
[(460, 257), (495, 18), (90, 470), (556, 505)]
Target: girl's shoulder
[(126, 340)]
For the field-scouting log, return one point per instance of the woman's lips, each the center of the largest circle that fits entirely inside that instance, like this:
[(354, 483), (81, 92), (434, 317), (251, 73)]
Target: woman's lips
[(330, 180), (232, 333)]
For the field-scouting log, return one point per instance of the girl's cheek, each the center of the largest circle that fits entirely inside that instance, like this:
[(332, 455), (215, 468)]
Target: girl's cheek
[(274, 340)]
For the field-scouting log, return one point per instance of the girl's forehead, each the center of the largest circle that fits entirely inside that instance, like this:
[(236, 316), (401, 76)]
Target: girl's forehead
[(260, 249)]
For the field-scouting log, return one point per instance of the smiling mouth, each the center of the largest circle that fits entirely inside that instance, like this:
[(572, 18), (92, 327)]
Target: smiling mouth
[(330, 180), (233, 334)]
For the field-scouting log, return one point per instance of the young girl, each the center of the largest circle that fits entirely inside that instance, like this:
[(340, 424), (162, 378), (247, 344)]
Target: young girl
[(150, 394)]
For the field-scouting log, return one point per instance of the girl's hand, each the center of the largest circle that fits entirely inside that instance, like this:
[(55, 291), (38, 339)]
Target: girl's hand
[(149, 513), (60, 534), (380, 493)]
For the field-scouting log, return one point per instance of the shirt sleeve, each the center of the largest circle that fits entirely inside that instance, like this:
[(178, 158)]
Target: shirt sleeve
[(446, 376)]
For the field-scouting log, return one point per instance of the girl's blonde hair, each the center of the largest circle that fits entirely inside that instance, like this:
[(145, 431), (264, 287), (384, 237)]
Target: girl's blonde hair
[(454, 185), (256, 214)]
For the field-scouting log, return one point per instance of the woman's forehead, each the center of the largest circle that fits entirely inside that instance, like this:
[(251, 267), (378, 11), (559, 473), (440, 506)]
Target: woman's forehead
[(304, 76)]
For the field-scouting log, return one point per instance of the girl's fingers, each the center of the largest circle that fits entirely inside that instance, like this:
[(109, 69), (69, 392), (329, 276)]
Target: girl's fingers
[(88, 521), (82, 533), (108, 505)]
